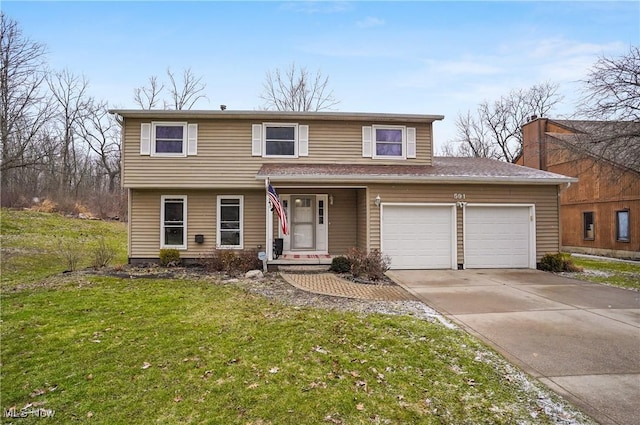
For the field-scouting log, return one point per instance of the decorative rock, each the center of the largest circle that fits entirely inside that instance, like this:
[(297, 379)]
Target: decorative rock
[(254, 274)]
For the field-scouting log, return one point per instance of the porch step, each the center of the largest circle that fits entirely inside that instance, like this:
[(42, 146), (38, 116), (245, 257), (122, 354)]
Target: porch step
[(304, 268)]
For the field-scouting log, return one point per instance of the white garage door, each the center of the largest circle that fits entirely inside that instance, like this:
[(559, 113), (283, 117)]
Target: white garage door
[(418, 236), (498, 237)]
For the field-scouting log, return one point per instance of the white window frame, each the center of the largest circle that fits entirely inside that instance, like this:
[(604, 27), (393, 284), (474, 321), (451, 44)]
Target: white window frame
[(296, 139), (240, 198), (185, 136), (163, 200), (374, 142)]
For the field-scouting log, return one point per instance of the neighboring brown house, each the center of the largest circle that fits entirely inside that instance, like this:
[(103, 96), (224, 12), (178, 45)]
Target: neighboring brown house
[(197, 182), (600, 213)]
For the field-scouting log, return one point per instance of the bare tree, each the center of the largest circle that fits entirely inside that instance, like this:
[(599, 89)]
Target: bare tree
[(102, 135), (611, 101), (72, 103), (24, 109), (495, 130), (184, 93), (295, 89), (147, 97)]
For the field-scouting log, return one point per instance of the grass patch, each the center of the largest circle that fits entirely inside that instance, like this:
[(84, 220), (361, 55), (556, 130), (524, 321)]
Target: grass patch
[(142, 351), (31, 243), (615, 273), (194, 350)]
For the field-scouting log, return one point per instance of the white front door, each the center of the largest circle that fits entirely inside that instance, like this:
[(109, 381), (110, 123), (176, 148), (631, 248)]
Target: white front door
[(303, 222)]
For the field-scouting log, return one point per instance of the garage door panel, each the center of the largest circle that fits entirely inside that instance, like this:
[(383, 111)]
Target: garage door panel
[(418, 237), (497, 237)]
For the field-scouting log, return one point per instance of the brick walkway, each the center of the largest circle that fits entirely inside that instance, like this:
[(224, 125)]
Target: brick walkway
[(330, 284)]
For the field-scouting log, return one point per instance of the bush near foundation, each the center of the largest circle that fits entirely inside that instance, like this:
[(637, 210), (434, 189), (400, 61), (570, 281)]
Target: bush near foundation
[(558, 262)]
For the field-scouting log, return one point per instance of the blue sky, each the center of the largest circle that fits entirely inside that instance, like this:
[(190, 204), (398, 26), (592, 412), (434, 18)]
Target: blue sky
[(400, 57)]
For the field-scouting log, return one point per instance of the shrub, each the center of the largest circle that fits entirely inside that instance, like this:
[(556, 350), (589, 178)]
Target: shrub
[(231, 262), (340, 265), (558, 262), (169, 257), (71, 252), (370, 265), (102, 254)]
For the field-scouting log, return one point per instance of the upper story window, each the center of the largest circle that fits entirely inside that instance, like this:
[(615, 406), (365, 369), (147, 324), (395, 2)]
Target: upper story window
[(173, 139), (169, 139), (388, 142), (280, 140)]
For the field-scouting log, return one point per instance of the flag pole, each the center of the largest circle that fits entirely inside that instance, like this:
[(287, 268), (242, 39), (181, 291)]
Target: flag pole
[(269, 224)]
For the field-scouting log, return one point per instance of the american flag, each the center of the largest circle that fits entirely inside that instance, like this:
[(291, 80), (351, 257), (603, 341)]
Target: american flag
[(277, 205)]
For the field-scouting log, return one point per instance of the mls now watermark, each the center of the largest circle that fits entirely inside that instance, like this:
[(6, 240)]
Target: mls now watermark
[(29, 413)]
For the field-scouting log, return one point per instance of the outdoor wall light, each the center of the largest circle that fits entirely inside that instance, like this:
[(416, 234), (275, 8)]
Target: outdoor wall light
[(378, 200), (330, 199)]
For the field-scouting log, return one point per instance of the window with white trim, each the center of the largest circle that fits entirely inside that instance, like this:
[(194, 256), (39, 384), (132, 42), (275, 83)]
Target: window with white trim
[(169, 139), (280, 140), (173, 222), (230, 219), (389, 142), (172, 139)]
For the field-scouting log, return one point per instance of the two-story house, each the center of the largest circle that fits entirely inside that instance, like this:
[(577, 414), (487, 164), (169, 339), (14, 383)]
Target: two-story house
[(197, 182), (600, 213)]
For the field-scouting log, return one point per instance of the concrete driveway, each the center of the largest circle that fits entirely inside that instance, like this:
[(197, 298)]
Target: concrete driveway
[(580, 339)]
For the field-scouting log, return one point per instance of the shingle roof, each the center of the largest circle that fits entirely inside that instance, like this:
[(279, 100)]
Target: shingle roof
[(615, 141), (444, 170)]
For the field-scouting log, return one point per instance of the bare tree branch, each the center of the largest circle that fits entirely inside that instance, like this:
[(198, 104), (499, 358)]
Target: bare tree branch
[(296, 90), (147, 97), (495, 130), (186, 93)]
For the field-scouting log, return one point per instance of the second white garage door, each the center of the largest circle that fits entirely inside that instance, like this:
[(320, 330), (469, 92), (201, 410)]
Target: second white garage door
[(499, 237), (419, 236)]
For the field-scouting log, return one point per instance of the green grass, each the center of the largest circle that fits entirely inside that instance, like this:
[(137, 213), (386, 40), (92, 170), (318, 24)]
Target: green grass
[(142, 351), (31, 243), (615, 273), (137, 351)]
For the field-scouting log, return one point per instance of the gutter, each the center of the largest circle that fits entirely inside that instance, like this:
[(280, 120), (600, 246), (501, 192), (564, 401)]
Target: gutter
[(421, 179)]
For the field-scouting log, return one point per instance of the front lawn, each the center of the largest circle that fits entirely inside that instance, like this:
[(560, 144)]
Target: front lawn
[(83, 346), (123, 351)]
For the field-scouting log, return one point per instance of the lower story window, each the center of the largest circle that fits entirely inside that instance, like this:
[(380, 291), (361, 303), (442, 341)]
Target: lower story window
[(622, 226), (589, 225), (173, 222), (229, 234)]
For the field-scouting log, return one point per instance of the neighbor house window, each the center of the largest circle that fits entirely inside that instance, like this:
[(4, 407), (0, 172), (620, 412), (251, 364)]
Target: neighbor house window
[(173, 222), (389, 142), (169, 139), (280, 140), (622, 226), (588, 225), (229, 234)]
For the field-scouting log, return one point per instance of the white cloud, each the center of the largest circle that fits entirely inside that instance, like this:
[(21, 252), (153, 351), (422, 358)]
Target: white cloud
[(370, 22)]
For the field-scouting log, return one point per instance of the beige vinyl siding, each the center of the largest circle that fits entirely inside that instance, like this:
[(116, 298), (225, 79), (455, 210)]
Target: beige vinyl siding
[(544, 198), (201, 219), (342, 221), (224, 154)]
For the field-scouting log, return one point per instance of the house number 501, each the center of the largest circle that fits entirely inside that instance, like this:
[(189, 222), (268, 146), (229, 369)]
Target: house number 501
[(459, 196)]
